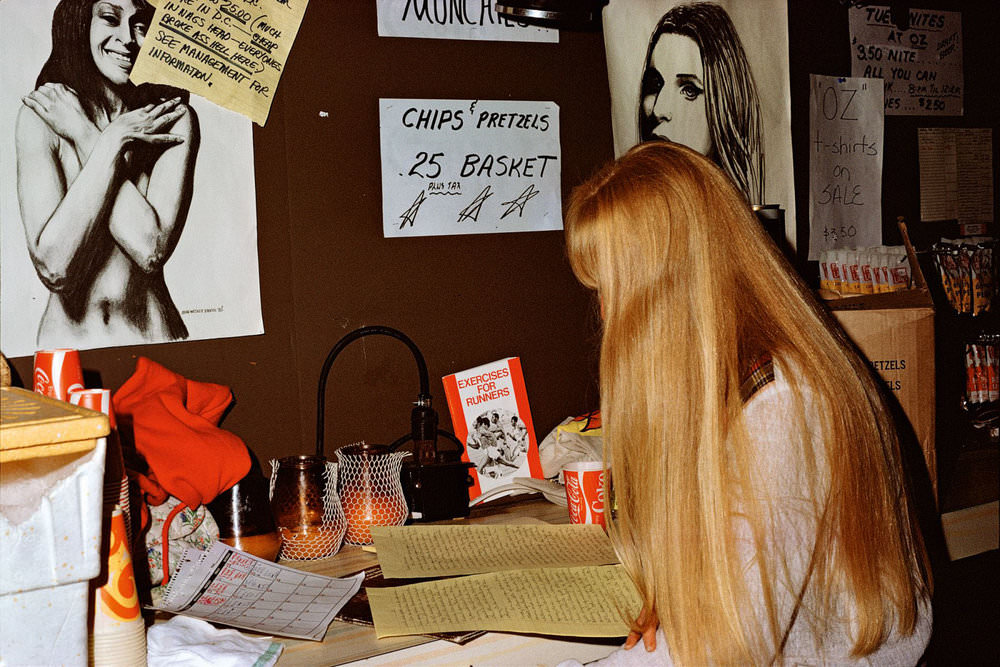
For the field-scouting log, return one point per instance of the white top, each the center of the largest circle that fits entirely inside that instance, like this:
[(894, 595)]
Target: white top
[(780, 455)]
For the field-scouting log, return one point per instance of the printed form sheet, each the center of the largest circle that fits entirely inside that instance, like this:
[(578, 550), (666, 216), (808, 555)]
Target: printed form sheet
[(227, 586)]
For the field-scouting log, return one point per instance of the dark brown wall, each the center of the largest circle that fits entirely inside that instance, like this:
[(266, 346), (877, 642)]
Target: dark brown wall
[(325, 268)]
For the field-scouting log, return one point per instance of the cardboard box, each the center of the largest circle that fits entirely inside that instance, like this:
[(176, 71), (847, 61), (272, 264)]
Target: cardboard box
[(51, 491), (895, 332)]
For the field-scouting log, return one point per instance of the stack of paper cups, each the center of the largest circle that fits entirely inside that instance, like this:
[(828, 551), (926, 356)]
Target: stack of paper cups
[(119, 632), (116, 488), (57, 373)]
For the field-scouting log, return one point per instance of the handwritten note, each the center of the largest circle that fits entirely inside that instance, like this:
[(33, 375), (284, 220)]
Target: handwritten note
[(456, 19), (469, 167), (231, 52), (845, 163), (574, 601), (438, 551), (921, 66), (956, 174)]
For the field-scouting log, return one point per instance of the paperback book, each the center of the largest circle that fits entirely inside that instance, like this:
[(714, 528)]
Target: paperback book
[(490, 415)]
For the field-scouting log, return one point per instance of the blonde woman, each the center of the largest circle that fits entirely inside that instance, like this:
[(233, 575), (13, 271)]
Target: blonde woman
[(763, 513)]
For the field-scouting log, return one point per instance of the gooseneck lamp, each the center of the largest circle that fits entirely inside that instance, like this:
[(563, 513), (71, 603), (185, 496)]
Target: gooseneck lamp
[(436, 482)]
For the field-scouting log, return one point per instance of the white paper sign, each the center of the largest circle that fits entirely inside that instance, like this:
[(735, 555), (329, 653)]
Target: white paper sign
[(469, 167), (921, 66), (845, 163), (455, 19)]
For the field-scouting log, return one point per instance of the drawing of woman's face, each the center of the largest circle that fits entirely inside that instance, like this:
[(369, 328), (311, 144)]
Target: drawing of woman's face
[(673, 94), (117, 28)]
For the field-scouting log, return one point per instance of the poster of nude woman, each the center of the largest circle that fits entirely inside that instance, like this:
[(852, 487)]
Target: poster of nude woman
[(127, 213), (712, 75)]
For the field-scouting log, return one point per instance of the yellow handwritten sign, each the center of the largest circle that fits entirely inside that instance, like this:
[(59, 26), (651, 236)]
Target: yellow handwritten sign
[(231, 52)]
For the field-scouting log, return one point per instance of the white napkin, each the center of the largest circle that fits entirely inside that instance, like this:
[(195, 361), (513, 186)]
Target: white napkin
[(192, 642)]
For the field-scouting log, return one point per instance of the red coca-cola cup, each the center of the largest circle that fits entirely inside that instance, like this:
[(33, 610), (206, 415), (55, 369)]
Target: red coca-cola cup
[(585, 491), (57, 373), (98, 400)]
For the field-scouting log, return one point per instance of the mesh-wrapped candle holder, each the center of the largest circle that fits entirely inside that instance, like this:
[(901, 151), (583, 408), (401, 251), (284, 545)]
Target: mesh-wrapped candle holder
[(306, 507), (371, 489)]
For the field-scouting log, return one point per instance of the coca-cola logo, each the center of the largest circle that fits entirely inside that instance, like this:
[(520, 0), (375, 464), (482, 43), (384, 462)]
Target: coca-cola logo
[(43, 385), (574, 495)]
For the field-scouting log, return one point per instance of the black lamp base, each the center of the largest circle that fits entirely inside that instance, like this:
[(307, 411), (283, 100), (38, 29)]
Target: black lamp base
[(437, 491)]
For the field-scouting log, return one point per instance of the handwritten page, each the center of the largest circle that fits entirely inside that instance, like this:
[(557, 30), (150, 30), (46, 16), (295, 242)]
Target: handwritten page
[(407, 552), (956, 174), (575, 601), (461, 19), (231, 52), (469, 167), (921, 66), (845, 163), (224, 585)]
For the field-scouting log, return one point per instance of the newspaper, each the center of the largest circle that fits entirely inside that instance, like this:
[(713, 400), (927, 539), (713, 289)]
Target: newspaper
[(228, 586)]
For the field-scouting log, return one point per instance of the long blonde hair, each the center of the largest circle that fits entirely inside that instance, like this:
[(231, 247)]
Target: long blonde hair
[(693, 292)]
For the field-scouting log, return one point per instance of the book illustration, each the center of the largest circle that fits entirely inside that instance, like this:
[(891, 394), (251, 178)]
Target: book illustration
[(498, 445)]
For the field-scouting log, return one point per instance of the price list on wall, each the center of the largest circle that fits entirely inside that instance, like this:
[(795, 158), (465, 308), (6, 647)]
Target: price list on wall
[(921, 65)]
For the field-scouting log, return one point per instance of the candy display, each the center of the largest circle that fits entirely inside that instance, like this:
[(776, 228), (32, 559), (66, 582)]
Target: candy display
[(982, 370), (967, 270), (874, 270)]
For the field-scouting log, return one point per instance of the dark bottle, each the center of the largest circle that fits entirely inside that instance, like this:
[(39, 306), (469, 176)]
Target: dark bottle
[(243, 513)]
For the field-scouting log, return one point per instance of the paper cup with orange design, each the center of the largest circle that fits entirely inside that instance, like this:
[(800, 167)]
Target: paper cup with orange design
[(57, 373), (585, 482), (119, 632)]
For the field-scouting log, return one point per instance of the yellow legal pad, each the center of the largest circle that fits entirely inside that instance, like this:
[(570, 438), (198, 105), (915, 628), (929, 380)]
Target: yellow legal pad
[(565, 601), (558, 580), (416, 552)]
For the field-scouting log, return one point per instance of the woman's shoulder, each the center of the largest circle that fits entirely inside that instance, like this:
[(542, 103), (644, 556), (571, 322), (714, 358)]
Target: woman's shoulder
[(29, 126), (777, 384), (783, 419), (187, 124)]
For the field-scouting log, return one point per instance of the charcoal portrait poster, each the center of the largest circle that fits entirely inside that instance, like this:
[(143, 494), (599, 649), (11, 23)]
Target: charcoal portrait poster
[(127, 213), (712, 75)]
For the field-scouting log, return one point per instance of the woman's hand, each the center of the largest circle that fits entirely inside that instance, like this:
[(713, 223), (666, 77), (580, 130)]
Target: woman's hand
[(150, 124), (60, 108), (645, 628)]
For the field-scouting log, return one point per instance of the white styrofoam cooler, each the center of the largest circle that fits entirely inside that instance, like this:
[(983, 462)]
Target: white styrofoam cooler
[(47, 560)]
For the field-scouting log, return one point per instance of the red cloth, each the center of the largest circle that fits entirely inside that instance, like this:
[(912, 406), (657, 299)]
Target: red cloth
[(175, 425)]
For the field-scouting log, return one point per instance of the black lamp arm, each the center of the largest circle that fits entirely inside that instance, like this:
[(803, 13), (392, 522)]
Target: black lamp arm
[(423, 399)]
